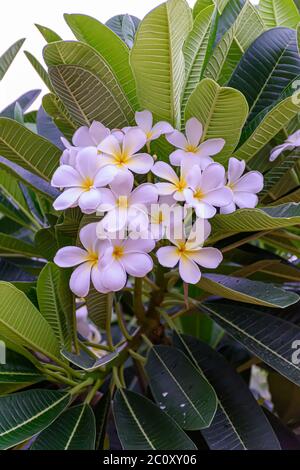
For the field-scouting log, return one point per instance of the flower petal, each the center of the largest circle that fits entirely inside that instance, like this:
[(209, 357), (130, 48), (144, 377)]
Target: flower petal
[(144, 120), (133, 141), (82, 137), (140, 163), (105, 175), (67, 199), (228, 209), (193, 130), (177, 139), (165, 172), (161, 128), (204, 210), (252, 182), (140, 244), (137, 264), (235, 169), (66, 177), (98, 132), (108, 200), (278, 150), (144, 194), (97, 280), (88, 236), (207, 257), (115, 220), (213, 177), (168, 256), (88, 162), (177, 156), (122, 183), (218, 197), (110, 146), (165, 189), (80, 280), (189, 271), (114, 276), (70, 256), (211, 147), (89, 200), (245, 200)]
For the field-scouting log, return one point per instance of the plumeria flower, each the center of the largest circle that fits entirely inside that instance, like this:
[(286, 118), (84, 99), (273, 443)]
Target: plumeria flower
[(125, 206), (126, 256), (292, 142), (163, 216), (144, 121), (85, 327), (243, 188), (190, 254), (83, 137), (82, 183), (207, 190), (177, 184), (189, 147), (87, 259), (124, 155)]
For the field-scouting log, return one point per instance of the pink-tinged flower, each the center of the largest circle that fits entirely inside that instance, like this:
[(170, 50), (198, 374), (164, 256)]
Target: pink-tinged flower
[(82, 183), (87, 259), (243, 188), (83, 137), (144, 121), (189, 147), (125, 206), (163, 216), (207, 190), (177, 184), (292, 142), (124, 155), (190, 254), (126, 257)]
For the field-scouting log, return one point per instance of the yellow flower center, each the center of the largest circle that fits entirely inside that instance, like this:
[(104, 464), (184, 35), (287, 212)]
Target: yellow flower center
[(230, 186), (122, 202), (181, 249), (87, 184), (149, 135), (181, 185), (191, 148), (92, 258), (198, 194), (121, 159), (118, 252)]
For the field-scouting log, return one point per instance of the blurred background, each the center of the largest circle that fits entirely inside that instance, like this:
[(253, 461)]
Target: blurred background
[(18, 22)]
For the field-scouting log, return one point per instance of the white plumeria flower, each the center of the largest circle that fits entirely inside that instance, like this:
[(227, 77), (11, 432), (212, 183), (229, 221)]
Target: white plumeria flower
[(83, 137), (177, 184), (85, 327), (126, 256), (189, 253), (243, 188), (189, 147), (125, 206), (144, 121), (293, 141), (163, 216), (87, 259), (207, 190), (124, 155), (82, 182)]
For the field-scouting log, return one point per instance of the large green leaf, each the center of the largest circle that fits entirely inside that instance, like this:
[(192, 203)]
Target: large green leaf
[(196, 49), (21, 322), (279, 13), (112, 107), (252, 220), (125, 26), (74, 429), (179, 388), (18, 369), (97, 305), (101, 411), (110, 47), (30, 151), (48, 34), (38, 67), (8, 56), (200, 5), (274, 51), (236, 40), (268, 337), (56, 302), (141, 425), (259, 132), (11, 246), (222, 112), (244, 290), (54, 107), (157, 59), (239, 423), (221, 4), (24, 414)]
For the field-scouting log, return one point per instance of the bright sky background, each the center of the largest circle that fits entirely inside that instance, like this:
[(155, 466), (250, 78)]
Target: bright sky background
[(19, 16)]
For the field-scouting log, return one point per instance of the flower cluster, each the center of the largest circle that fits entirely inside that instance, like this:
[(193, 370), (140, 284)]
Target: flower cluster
[(142, 202)]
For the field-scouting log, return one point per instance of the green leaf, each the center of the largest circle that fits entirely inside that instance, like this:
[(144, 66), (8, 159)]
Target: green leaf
[(259, 132), (74, 429), (279, 13), (101, 411), (24, 414), (222, 112), (30, 151), (21, 322), (179, 388), (10, 246), (244, 290), (46, 243), (236, 40), (97, 305), (38, 67), (123, 25), (200, 5), (255, 220), (221, 4), (8, 56), (110, 48), (48, 34), (196, 49), (56, 302), (275, 50), (141, 425), (239, 423), (157, 59), (266, 336), (54, 107), (18, 369), (107, 103)]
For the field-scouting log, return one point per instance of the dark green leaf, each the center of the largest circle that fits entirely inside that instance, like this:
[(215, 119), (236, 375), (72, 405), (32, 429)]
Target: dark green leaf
[(18, 369), (8, 56)]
